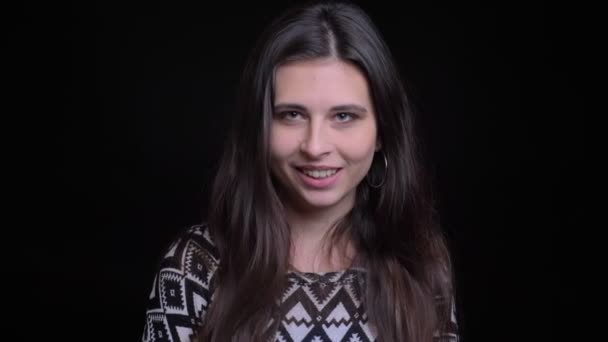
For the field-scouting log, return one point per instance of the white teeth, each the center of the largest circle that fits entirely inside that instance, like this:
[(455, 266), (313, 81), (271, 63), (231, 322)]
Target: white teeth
[(320, 173)]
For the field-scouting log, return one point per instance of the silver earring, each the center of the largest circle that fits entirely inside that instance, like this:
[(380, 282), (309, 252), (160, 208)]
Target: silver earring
[(383, 178)]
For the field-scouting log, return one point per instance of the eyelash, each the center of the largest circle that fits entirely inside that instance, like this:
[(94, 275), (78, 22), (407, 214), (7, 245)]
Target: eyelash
[(283, 115)]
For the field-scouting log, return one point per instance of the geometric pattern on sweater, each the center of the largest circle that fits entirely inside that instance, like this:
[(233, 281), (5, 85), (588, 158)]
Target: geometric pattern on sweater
[(324, 307), (182, 288), (317, 307)]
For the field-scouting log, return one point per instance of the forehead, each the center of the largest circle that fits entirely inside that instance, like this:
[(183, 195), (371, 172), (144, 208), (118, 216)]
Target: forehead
[(321, 83)]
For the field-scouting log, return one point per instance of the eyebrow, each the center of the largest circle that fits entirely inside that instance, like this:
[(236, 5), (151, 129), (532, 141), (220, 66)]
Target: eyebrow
[(345, 107)]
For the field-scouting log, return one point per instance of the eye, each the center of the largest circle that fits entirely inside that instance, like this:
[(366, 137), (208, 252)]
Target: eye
[(289, 115), (345, 117)]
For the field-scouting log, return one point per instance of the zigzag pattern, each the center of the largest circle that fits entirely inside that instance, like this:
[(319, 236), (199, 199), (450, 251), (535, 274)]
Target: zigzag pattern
[(182, 289), (316, 307), (324, 307)]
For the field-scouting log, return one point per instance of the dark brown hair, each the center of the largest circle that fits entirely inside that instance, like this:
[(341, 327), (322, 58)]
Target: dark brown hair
[(394, 227)]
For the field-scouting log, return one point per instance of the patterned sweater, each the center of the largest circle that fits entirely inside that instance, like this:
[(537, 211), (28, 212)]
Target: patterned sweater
[(320, 307)]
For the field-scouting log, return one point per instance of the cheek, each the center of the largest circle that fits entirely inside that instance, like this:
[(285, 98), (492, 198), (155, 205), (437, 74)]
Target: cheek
[(281, 144), (362, 155), (361, 150)]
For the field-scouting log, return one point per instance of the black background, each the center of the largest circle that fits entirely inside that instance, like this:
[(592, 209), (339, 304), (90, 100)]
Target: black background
[(122, 109)]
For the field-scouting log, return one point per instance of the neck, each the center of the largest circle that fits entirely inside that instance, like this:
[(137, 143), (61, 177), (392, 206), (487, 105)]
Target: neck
[(311, 250)]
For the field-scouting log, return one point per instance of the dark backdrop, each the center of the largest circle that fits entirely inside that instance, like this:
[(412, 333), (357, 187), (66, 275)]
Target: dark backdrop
[(125, 107)]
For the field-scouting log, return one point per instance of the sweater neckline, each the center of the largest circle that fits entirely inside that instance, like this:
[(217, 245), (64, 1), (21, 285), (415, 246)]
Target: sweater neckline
[(325, 277)]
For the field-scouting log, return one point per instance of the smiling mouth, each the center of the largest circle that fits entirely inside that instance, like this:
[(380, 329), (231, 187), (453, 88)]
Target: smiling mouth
[(319, 174)]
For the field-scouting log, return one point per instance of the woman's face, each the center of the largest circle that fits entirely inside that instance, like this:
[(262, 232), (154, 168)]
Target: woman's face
[(323, 120)]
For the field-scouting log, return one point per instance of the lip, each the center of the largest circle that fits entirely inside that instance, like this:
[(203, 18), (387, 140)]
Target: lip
[(319, 183), (316, 167)]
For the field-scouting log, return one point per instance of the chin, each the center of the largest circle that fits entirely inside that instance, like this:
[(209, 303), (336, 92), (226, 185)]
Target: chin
[(320, 202)]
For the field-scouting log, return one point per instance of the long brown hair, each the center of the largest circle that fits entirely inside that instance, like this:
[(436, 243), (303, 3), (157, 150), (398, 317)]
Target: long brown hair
[(394, 227)]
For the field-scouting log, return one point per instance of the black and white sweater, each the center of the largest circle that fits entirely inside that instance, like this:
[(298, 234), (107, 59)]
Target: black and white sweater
[(320, 307)]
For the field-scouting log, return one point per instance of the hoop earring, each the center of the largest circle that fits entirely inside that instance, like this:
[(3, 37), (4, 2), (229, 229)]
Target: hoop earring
[(383, 179)]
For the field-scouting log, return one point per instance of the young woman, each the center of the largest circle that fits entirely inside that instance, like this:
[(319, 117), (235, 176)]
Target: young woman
[(321, 226)]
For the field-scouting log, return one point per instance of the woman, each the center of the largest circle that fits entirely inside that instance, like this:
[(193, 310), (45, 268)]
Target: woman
[(321, 226)]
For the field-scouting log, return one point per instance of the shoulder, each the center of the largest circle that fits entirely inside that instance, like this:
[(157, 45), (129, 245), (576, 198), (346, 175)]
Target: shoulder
[(193, 255), (183, 286), (195, 238), (450, 331)]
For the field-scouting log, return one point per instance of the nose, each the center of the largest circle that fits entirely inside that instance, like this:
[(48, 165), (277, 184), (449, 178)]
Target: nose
[(316, 142)]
